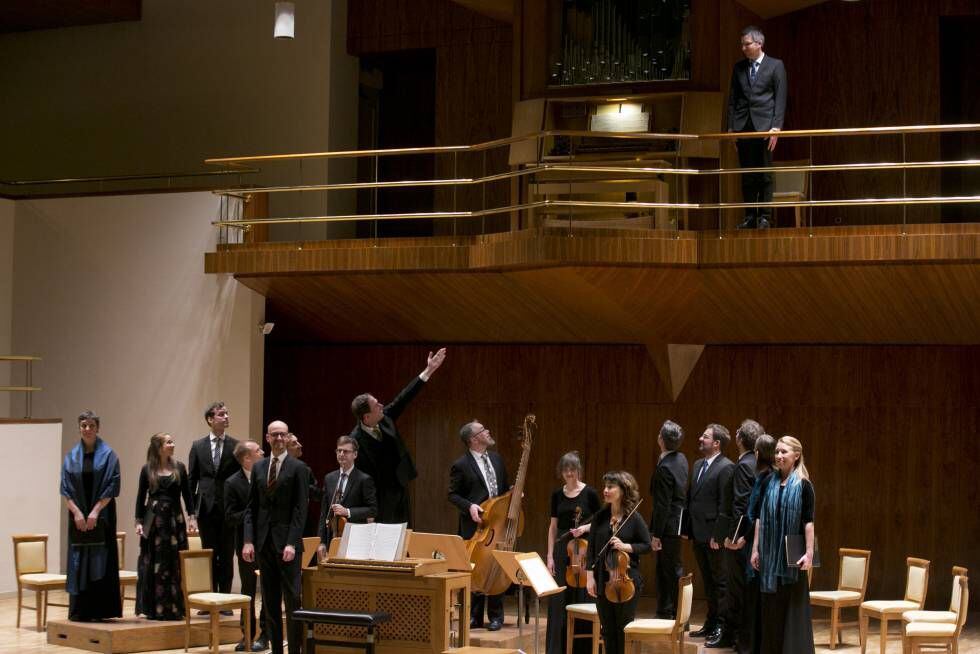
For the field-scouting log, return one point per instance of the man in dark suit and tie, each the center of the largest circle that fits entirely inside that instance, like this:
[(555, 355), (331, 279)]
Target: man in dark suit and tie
[(710, 475), (277, 504), (735, 501), (756, 103), (210, 462), (347, 492), (382, 452), (247, 453), (474, 478), (668, 485)]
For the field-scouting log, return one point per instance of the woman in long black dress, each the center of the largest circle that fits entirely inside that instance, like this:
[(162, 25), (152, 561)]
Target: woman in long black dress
[(162, 530), (621, 494), (90, 484), (787, 509), (572, 507)]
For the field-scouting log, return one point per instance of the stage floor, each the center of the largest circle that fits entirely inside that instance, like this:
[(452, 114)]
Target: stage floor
[(28, 641)]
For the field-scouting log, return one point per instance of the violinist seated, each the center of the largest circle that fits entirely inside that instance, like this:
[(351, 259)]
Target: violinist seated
[(348, 496), (572, 508), (618, 537), (474, 478)]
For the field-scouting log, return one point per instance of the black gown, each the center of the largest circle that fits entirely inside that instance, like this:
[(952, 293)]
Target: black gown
[(158, 594), (100, 600), (563, 508)]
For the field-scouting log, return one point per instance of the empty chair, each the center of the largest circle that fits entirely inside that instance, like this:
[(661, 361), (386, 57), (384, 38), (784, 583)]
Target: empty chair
[(916, 585), (941, 616), (195, 583), (31, 568), (916, 635), (672, 631), (126, 577), (588, 613), (852, 583), (791, 187)]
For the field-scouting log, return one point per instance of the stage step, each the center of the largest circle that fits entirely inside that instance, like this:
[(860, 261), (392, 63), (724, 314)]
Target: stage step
[(136, 634), (508, 638)]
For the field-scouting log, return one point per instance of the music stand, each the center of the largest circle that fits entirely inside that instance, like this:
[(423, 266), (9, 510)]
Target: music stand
[(527, 569)]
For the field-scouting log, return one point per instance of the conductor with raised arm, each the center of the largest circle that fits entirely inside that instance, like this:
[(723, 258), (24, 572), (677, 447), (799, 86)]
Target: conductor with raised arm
[(381, 451)]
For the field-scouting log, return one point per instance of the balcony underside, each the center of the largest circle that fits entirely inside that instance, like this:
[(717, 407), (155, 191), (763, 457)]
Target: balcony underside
[(876, 284)]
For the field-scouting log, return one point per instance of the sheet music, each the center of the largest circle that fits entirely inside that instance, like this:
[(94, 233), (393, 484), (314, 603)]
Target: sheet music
[(374, 541), (389, 541)]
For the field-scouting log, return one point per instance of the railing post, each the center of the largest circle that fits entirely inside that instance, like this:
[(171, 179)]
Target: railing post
[(30, 383), (455, 192), (905, 207)]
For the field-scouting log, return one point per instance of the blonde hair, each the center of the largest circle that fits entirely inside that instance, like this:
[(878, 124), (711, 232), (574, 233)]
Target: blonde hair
[(797, 447)]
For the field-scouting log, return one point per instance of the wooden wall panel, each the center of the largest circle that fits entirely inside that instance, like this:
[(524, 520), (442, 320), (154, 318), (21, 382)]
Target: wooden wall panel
[(888, 431)]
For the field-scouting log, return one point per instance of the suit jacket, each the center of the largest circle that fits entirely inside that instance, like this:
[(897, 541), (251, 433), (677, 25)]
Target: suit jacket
[(236, 502), (207, 484), (704, 499), (359, 497), (735, 497), (668, 485), (764, 101), (279, 512), (467, 487), (405, 470)]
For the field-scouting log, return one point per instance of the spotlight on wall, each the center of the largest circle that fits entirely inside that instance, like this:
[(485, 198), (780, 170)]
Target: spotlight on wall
[(285, 20), (266, 327)]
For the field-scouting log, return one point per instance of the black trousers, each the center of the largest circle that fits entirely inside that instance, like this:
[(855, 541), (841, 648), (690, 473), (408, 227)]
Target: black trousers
[(736, 617), (246, 572), (220, 539), (756, 187), (613, 619), (281, 581), (749, 636), (711, 563), (494, 606), (670, 568)]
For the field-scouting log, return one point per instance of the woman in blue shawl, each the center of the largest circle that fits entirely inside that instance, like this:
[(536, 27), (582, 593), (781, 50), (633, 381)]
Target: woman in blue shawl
[(90, 484), (787, 510)]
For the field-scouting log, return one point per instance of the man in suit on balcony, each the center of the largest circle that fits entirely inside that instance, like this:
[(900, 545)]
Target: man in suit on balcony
[(756, 103)]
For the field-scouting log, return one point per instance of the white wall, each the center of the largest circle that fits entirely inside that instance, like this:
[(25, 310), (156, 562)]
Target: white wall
[(111, 292), (6, 296), (30, 494)]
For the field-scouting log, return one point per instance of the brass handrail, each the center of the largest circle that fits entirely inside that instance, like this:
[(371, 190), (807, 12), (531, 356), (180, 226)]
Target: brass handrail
[(125, 178), (29, 386), (477, 147)]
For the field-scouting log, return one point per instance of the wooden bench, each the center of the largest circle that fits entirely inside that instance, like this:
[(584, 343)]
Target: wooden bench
[(312, 617)]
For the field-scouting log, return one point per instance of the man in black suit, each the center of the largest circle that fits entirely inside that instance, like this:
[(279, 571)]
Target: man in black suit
[(735, 501), (668, 485), (247, 453), (756, 103), (382, 452), (474, 478), (710, 475), (210, 462), (347, 492), (277, 504), (295, 448)]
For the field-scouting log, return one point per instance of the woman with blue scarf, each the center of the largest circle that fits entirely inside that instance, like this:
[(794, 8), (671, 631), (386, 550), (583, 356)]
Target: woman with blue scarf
[(787, 510), (90, 484)]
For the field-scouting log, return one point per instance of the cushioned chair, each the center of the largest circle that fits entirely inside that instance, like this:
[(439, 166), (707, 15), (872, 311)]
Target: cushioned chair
[(941, 616), (126, 577), (588, 613), (31, 568), (195, 583), (917, 635), (852, 583), (916, 585), (791, 186), (672, 631)]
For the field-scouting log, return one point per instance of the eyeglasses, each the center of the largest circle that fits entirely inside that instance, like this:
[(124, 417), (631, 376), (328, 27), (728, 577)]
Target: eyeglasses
[(279, 434), (344, 450), (482, 431)]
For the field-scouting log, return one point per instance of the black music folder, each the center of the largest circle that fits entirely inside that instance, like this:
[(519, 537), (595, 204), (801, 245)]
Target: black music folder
[(796, 548)]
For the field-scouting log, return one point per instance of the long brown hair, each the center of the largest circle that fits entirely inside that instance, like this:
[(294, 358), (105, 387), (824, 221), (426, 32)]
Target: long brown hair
[(627, 484), (154, 461)]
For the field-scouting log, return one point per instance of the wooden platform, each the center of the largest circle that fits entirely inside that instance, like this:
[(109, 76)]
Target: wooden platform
[(509, 639), (136, 634)]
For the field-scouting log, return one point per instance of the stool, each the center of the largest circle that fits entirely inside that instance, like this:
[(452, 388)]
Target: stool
[(312, 617), (586, 612)]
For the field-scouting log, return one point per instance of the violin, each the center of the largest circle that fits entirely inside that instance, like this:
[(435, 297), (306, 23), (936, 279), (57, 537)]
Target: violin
[(575, 575), (336, 522), (619, 586)]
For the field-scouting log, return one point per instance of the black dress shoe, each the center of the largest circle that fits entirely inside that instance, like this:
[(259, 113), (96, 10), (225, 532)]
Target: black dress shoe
[(476, 624), (748, 223), (203, 613), (763, 223), (720, 638), (227, 612), (495, 625), (706, 629), (240, 647), (261, 644)]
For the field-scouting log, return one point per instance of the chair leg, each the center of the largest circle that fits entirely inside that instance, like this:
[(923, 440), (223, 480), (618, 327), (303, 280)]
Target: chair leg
[(596, 637), (883, 641), (187, 628), (569, 633), (44, 616), (833, 621), (248, 628), (20, 603), (38, 609), (863, 629), (215, 630)]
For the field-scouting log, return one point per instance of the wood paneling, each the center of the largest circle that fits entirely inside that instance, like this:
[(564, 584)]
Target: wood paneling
[(832, 285), (887, 430)]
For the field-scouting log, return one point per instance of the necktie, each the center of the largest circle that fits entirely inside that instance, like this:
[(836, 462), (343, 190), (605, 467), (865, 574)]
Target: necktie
[(704, 467), (216, 455), (753, 69), (376, 432), (342, 484), (274, 471), (491, 476)]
